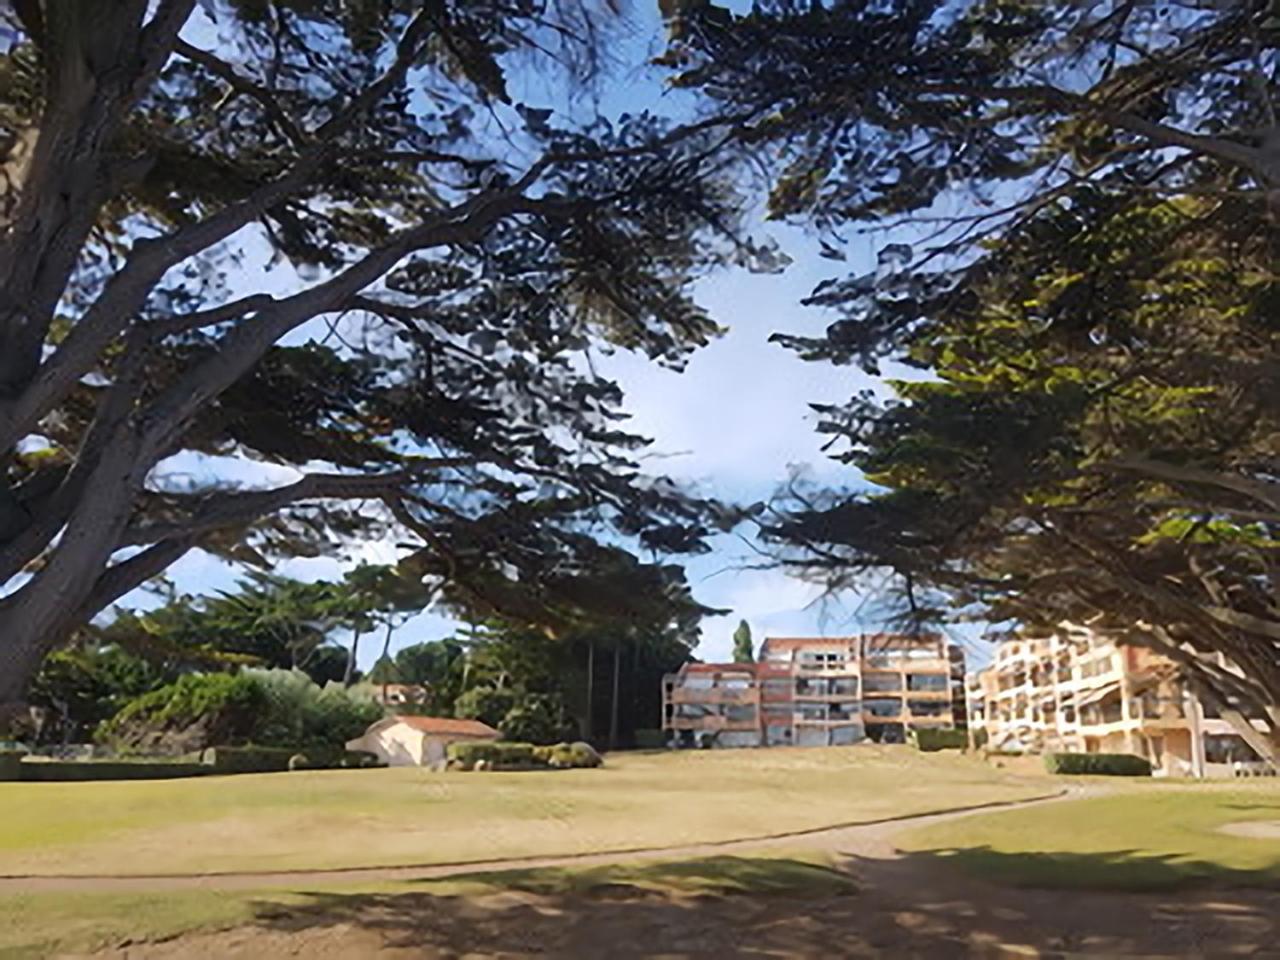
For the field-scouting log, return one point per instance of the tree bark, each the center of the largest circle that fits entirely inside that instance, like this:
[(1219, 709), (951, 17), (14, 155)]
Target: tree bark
[(613, 711), (588, 727), (349, 676)]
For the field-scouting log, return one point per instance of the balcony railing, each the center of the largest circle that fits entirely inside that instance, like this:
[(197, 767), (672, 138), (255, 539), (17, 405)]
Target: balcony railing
[(713, 695)]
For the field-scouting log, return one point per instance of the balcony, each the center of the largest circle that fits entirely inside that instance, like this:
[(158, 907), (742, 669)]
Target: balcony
[(713, 695)]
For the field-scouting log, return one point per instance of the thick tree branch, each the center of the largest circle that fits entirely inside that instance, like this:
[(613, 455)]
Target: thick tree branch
[(215, 511)]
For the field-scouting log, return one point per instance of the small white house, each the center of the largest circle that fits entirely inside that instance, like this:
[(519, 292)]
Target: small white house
[(418, 741)]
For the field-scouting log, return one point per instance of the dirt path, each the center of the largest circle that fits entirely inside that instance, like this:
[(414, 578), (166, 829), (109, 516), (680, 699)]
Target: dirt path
[(868, 838)]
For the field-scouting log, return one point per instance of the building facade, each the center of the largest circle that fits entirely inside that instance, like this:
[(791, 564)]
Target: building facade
[(1079, 692), (817, 691)]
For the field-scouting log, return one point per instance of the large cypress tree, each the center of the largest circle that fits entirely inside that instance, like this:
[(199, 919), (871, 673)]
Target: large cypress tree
[(450, 253), (1089, 299)]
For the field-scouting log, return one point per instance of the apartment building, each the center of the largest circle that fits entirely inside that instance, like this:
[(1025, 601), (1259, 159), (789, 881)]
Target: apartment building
[(1077, 691), (817, 691)]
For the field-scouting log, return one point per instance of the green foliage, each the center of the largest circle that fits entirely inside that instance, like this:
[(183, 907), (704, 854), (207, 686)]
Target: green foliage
[(1089, 434), (230, 706), (928, 740), (300, 714), (272, 708), (86, 684), (743, 651), (499, 755), (75, 771), (566, 756), (535, 718), (248, 759), (430, 367), (489, 705), (11, 764), (1098, 764), (650, 739)]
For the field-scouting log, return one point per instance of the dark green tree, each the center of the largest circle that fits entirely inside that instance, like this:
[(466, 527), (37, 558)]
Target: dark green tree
[(454, 253), (1090, 304), (743, 651)]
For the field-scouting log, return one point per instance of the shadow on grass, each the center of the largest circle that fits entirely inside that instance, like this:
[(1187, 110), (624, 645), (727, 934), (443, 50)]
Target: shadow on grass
[(1123, 870), (775, 907)]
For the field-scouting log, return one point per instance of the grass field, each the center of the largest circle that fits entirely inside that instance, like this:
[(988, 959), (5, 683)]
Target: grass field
[(39, 925), (410, 816), (1159, 836)]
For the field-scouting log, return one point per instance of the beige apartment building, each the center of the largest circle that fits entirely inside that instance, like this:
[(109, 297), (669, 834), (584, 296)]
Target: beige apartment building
[(1077, 691), (818, 691)]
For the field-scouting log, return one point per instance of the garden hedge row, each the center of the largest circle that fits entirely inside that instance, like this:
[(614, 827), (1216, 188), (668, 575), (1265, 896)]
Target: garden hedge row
[(650, 739), (1098, 764), (504, 755), (929, 740)]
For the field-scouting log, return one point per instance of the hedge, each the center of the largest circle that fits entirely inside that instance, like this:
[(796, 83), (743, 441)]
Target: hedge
[(11, 764), (66, 771), (248, 759), (498, 754), (1098, 764), (565, 756), (930, 740), (650, 739)]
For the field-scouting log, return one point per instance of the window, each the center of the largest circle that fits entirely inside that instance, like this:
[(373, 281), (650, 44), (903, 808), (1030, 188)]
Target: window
[(882, 683), (1228, 748), (882, 708), (934, 682)]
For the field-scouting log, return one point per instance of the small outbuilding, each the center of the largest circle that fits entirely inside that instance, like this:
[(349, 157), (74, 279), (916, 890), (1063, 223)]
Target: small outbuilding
[(419, 741)]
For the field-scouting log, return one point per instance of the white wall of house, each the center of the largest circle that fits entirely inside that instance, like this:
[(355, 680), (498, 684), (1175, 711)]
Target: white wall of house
[(397, 744)]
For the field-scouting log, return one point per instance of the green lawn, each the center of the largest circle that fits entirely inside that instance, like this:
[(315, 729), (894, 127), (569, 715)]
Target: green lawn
[(1154, 836), (409, 816)]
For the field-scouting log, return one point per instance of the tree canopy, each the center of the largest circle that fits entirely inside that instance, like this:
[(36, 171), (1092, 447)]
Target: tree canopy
[(1090, 432), (743, 651), (346, 243)]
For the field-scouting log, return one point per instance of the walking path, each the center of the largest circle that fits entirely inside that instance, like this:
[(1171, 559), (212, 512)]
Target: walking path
[(865, 838)]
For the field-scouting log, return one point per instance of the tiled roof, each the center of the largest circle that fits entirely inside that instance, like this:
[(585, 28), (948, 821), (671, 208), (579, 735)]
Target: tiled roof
[(720, 668), (448, 726)]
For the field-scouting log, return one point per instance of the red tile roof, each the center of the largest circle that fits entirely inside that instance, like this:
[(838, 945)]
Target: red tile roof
[(448, 726), (720, 668)]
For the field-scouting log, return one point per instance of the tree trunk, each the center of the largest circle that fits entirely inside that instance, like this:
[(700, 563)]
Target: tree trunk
[(613, 711), (386, 649), (349, 676), (588, 728)]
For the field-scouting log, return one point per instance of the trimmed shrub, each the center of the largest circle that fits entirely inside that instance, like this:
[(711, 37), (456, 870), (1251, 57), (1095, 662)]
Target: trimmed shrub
[(249, 759), (64, 771), (11, 764), (930, 740), (565, 756), (650, 740), (1098, 764), (497, 755)]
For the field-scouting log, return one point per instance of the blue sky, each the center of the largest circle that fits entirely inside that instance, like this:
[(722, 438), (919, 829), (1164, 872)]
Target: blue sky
[(732, 424)]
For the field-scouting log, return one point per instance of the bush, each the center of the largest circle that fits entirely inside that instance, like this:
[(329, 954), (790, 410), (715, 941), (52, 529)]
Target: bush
[(1098, 764), (62, 771), (536, 718), (497, 754), (11, 764), (565, 756), (930, 740), (300, 715), (650, 739), (248, 759), (221, 706)]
